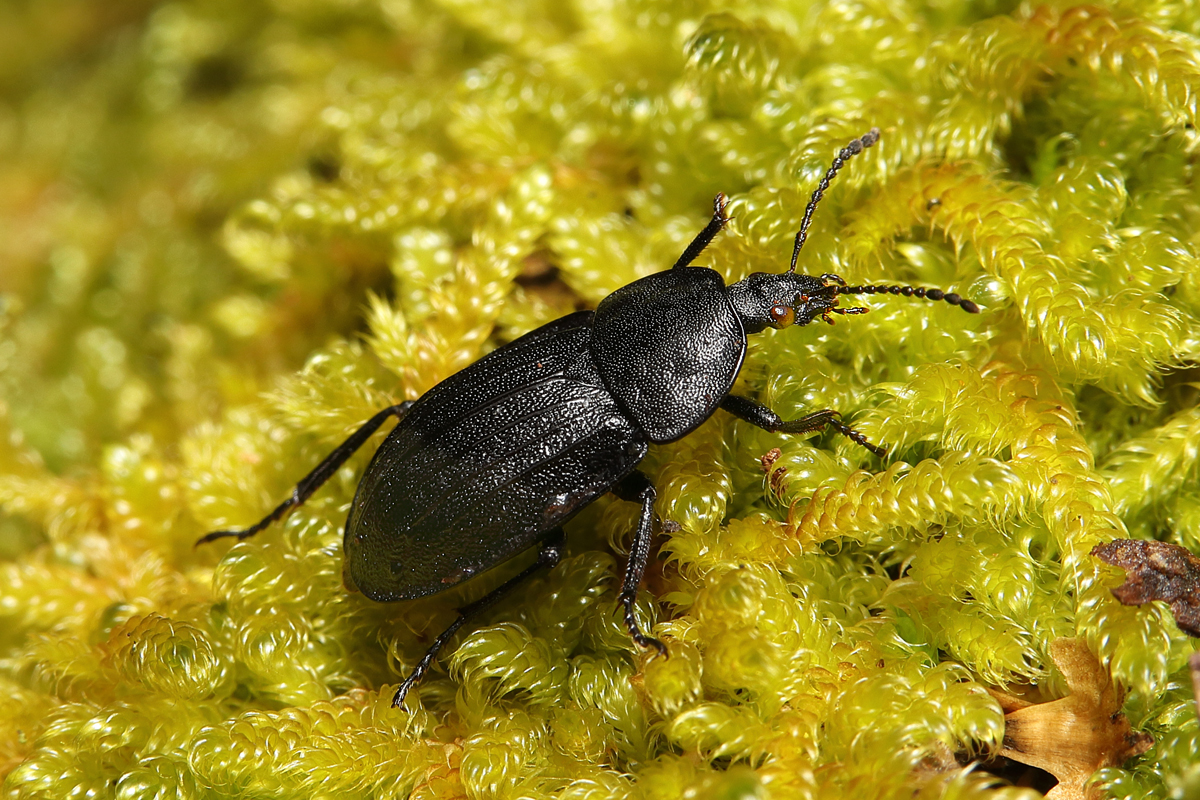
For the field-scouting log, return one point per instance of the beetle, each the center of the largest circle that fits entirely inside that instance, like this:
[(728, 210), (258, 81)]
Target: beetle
[(496, 458)]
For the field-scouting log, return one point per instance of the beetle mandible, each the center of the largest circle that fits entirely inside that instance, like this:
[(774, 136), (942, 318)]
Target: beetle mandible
[(496, 458)]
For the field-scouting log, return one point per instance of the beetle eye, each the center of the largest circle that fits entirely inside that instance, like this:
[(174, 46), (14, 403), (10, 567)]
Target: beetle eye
[(782, 316)]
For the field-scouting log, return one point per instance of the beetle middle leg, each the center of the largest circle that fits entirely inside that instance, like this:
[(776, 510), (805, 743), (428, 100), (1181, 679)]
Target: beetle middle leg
[(637, 488), (550, 554), (757, 414), (321, 473)]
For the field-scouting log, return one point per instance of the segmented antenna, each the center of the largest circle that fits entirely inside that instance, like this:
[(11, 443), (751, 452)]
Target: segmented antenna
[(912, 291), (855, 147)]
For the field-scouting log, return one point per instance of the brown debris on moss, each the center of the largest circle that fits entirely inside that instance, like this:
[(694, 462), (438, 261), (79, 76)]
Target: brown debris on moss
[(1157, 571)]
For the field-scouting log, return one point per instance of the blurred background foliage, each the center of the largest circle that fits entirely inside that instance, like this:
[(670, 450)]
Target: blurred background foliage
[(232, 231)]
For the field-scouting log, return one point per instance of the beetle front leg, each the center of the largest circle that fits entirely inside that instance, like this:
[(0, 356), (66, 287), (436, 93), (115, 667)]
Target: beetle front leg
[(757, 414), (637, 488), (548, 556), (718, 222), (321, 473)]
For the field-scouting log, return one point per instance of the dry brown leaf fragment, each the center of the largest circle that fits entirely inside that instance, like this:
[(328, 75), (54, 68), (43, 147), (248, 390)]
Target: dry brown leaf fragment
[(1157, 571), (1076, 735)]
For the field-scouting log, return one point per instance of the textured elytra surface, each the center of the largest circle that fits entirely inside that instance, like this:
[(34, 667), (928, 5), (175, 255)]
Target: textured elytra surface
[(487, 463), (199, 199)]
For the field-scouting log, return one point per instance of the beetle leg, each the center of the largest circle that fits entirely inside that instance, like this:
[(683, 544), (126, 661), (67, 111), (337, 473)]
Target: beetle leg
[(719, 220), (757, 414), (637, 488), (323, 471), (550, 554)]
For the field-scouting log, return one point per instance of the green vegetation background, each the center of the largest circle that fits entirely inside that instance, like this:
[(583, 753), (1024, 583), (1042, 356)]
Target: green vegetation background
[(231, 231)]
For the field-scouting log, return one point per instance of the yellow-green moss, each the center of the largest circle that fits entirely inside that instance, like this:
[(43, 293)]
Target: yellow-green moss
[(231, 231)]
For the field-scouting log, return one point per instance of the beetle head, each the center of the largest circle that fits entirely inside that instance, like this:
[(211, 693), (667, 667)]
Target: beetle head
[(766, 300), (769, 300)]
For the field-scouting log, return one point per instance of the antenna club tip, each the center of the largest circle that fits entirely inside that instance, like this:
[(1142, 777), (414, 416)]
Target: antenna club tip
[(961, 302), (856, 146)]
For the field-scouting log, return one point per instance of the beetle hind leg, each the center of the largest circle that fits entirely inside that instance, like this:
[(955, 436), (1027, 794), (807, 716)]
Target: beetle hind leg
[(315, 479), (637, 488), (550, 554)]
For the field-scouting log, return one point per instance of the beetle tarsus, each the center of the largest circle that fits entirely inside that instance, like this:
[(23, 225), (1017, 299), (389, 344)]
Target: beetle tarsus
[(246, 533), (757, 414), (423, 665), (718, 222), (720, 202), (643, 641), (856, 437), (315, 479), (549, 555), (636, 487)]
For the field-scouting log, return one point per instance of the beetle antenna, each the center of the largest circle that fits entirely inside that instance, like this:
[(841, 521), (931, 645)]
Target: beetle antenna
[(855, 147), (912, 291)]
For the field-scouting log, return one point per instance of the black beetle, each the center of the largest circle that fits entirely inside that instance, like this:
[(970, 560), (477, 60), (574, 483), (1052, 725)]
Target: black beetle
[(497, 457)]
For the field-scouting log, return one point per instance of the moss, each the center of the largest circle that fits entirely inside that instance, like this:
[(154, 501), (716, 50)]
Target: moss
[(233, 231)]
